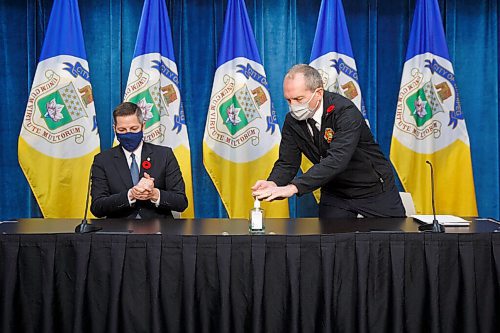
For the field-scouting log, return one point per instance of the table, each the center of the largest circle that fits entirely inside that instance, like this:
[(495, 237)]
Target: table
[(209, 275)]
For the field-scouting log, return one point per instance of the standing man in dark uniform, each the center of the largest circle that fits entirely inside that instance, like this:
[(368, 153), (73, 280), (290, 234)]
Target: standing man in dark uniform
[(349, 167)]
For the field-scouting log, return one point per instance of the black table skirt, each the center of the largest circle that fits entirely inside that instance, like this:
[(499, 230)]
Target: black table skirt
[(355, 282)]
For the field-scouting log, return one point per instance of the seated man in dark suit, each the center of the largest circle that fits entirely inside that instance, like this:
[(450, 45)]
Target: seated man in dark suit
[(135, 179), (349, 167)]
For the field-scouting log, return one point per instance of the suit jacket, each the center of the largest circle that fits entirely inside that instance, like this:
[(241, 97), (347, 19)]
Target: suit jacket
[(111, 181), (351, 165)]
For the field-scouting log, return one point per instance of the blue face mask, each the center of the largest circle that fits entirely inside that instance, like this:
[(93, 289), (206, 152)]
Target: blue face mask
[(130, 141)]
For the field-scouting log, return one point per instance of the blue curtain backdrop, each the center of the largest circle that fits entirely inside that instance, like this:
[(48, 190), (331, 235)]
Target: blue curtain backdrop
[(284, 30)]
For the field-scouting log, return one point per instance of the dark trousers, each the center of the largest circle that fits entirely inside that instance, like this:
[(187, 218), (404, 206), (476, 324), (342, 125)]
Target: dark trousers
[(385, 204)]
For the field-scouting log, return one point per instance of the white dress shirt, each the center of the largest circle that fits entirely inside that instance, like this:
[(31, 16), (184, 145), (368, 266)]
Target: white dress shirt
[(137, 153), (317, 118)]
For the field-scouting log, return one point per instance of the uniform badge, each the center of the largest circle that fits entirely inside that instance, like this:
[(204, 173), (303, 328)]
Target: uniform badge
[(329, 135)]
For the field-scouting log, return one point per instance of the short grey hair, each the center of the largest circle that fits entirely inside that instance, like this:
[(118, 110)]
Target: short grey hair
[(312, 77)]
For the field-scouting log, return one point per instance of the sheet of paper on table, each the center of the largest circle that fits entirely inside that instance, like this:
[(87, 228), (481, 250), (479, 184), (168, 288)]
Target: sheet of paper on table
[(447, 220)]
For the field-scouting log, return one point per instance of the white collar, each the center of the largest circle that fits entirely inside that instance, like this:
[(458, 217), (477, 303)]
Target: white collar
[(137, 152), (318, 114)]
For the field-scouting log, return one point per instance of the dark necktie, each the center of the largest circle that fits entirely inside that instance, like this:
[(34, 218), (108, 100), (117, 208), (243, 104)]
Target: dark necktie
[(134, 170), (315, 131)]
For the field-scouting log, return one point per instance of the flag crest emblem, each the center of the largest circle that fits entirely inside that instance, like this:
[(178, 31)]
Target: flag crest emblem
[(340, 76), (428, 102), (153, 86), (240, 109), (59, 109)]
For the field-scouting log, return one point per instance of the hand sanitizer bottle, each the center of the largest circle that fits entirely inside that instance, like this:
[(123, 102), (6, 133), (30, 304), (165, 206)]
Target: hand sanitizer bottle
[(256, 224)]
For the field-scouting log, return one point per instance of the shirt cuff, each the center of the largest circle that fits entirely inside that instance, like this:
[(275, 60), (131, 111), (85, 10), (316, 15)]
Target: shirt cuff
[(130, 201), (157, 202)]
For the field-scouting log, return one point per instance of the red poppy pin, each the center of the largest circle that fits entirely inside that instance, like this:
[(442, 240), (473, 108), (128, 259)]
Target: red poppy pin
[(330, 109), (146, 165), (329, 135)]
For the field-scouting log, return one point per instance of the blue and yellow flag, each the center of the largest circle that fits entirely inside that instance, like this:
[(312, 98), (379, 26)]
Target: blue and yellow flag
[(242, 135), (153, 84), (59, 137), (430, 124), (332, 56)]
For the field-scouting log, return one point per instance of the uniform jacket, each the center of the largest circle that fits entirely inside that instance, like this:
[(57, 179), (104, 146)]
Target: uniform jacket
[(348, 162)]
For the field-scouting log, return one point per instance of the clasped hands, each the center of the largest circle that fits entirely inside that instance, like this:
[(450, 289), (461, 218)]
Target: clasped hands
[(268, 190), (145, 189)]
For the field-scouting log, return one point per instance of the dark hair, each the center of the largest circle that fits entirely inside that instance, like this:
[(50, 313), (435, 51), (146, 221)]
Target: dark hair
[(127, 109)]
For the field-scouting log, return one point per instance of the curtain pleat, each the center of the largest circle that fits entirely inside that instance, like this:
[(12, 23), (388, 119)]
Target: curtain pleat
[(284, 31)]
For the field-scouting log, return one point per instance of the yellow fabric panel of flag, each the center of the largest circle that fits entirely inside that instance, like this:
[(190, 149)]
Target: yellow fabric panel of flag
[(454, 181), (58, 192), (234, 180), (183, 156)]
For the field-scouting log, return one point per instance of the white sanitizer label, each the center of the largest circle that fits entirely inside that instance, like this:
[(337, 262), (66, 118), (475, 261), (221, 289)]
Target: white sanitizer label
[(256, 220)]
